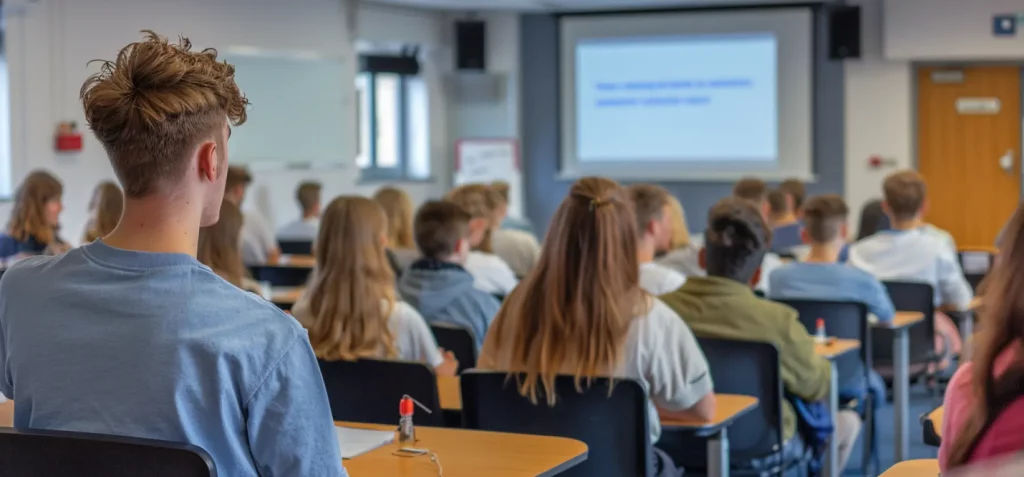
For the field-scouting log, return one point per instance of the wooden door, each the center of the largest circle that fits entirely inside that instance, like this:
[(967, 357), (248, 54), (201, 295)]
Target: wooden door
[(962, 138)]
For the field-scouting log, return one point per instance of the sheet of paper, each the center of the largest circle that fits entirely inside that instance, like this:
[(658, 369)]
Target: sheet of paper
[(975, 263), (355, 442)]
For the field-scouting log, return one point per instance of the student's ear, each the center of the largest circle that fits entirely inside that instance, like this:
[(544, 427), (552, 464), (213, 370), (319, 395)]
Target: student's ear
[(844, 231), (804, 236), (207, 161), (754, 280), (702, 258)]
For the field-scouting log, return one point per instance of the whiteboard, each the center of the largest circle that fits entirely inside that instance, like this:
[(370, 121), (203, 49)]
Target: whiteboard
[(300, 112), (488, 160)]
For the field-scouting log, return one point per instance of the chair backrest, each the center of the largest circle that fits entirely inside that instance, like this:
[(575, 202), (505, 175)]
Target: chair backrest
[(978, 263), (613, 426), (739, 367), (843, 319), (281, 276), (458, 340), (296, 247), (75, 454), (909, 296), (369, 390)]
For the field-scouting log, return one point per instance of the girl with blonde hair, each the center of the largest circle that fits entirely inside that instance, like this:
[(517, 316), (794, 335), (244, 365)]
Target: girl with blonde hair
[(581, 312), (350, 308), (491, 273), (105, 209), (219, 248), (399, 210), (35, 218), (682, 255)]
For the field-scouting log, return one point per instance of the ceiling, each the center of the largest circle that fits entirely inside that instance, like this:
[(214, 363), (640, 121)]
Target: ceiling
[(572, 5)]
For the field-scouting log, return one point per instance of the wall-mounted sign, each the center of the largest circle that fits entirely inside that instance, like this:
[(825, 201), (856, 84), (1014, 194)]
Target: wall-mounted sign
[(1005, 24), (948, 76), (978, 105)]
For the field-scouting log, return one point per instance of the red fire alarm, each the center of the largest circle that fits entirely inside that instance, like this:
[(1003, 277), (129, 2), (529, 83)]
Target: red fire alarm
[(68, 137)]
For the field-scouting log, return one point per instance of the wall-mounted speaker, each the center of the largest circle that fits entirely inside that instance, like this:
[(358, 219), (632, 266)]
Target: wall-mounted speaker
[(470, 45), (844, 39)]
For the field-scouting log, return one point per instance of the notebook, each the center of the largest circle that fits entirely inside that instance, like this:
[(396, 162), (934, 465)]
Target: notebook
[(356, 442)]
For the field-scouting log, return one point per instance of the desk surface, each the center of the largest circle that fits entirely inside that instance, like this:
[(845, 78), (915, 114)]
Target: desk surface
[(285, 295), (7, 414), (449, 391), (465, 453), (728, 408), (835, 349), (903, 319), (914, 468), (936, 418), (295, 261)]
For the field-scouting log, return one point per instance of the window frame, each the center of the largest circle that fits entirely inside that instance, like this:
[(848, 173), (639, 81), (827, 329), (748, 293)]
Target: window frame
[(404, 68)]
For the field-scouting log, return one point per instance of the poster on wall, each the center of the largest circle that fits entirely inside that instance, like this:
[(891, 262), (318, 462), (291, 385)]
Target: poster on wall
[(489, 160)]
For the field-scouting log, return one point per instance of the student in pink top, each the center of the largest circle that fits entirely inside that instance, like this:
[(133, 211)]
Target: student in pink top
[(984, 405)]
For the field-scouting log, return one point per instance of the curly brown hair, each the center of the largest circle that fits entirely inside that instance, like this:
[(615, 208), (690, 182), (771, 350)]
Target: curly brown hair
[(154, 104), (28, 217)]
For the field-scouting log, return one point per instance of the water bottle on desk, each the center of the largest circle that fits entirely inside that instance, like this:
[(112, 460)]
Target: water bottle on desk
[(820, 336), (406, 430)]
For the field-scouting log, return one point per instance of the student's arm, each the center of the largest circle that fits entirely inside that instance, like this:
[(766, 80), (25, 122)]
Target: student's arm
[(289, 421), (804, 373), (678, 374), (954, 292), (878, 301)]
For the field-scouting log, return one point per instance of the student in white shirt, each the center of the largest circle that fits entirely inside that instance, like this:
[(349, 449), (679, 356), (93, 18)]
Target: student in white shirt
[(306, 227), (907, 252), (582, 312), (654, 228), (491, 274), (350, 308), (259, 246), (756, 191)]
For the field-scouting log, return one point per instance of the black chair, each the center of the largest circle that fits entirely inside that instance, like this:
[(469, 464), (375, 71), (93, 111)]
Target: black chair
[(281, 276), (908, 296), (755, 440), (930, 434), (369, 390), (75, 454), (975, 278), (613, 426), (459, 341), (846, 320), (296, 247)]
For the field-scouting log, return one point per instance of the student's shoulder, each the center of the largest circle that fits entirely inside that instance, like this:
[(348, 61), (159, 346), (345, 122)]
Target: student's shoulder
[(403, 314), (241, 308), (40, 269)]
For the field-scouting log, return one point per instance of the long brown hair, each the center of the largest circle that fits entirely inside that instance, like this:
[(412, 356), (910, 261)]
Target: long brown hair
[(573, 311), (1001, 326), (481, 201), (353, 289), (28, 218), (398, 207), (218, 245), (107, 205)]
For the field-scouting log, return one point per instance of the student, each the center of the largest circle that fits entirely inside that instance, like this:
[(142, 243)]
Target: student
[(490, 272), (437, 285), (756, 191), (984, 412), (797, 191), (821, 277), (130, 335), (35, 219), (105, 209), (517, 248), (682, 253), (259, 246), (582, 312), (723, 306), (508, 221), (784, 222), (218, 249), (908, 253), (398, 207), (305, 228), (653, 221), (349, 307)]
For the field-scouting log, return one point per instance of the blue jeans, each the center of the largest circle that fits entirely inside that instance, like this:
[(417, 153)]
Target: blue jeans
[(856, 389)]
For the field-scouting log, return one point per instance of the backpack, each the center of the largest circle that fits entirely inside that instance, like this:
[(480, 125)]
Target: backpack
[(815, 424)]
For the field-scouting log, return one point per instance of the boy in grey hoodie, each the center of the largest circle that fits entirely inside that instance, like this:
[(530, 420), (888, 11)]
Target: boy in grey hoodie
[(437, 285)]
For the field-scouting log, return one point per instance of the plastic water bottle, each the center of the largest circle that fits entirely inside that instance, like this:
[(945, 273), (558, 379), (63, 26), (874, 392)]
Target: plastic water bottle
[(820, 336), (406, 430)]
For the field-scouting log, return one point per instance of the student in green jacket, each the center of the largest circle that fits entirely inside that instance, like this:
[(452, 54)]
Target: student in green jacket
[(723, 305)]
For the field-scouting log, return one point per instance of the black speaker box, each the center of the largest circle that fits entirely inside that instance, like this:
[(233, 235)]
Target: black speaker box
[(470, 45), (844, 32)]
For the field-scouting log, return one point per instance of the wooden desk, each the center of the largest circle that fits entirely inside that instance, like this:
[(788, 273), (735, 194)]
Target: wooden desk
[(931, 426), (832, 350), (728, 408), (900, 325), (914, 468), (7, 414), (285, 295), (449, 391), (466, 453), (936, 418), (836, 348), (297, 261)]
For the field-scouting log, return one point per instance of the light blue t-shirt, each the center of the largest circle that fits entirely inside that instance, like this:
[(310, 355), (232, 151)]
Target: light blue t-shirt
[(831, 281), (152, 345)]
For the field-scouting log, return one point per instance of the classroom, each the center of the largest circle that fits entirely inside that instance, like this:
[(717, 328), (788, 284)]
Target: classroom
[(596, 238)]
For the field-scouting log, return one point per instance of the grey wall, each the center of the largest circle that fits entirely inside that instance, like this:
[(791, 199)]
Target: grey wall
[(541, 124)]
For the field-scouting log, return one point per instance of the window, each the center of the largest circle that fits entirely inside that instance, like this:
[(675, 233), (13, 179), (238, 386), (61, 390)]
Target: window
[(392, 114)]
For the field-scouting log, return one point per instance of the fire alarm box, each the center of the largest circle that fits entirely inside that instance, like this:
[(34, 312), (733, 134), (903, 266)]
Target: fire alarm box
[(68, 137)]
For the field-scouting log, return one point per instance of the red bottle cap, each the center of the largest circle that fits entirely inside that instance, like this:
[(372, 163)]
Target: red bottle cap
[(405, 406), (821, 323)]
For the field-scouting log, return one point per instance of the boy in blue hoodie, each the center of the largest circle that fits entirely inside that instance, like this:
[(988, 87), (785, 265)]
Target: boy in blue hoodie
[(437, 285)]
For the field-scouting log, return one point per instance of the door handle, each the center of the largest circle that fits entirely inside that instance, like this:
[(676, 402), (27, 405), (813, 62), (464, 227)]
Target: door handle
[(1007, 160)]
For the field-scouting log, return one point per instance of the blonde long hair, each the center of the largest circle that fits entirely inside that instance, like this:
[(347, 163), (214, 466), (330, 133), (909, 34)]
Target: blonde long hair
[(398, 207), (28, 218), (218, 245), (352, 292), (574, 310), (481, 201), (680, 232), (106, 206), (1001, 326)]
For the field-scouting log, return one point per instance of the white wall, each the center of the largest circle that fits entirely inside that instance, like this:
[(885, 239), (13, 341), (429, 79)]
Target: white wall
[(949, 29), (49, 43)]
